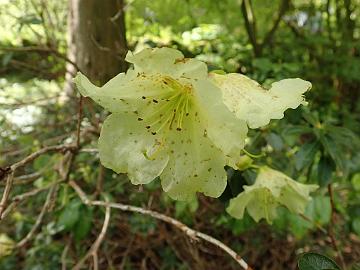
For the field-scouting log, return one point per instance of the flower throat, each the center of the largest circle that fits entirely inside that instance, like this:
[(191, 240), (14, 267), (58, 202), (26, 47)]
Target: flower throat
[(169, 109)]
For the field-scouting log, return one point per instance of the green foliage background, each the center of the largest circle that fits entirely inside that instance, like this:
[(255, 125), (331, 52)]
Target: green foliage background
[(315, 40)]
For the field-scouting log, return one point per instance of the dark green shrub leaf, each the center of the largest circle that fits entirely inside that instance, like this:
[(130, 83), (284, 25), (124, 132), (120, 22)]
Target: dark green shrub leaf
[(305, 156), (325, 170), (314, 261), (332, 148)]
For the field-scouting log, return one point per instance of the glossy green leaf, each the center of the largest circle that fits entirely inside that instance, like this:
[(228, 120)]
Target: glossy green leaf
[(275, 141), (325, 170), (332, 148), (314, 261), (305, 156)]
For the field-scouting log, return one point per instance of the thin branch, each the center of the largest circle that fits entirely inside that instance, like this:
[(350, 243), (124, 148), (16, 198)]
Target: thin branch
[(284, 6), (6, 193), (250, 25), (64, 255), (39, 219), (10, 171), (31, 157), (312, 222), (95, 247), (194, 235), (41, 49)]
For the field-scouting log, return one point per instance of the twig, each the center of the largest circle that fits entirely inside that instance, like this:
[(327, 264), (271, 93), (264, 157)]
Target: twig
[(194, 235), (9, 182), (41, 49), (31, 157), (331, 227), (10, 171), (64, 255), (126, 253), (95, 247), (321, 228), (19, 198), (39, 218)]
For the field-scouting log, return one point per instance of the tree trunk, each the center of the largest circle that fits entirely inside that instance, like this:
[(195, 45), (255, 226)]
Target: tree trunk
[(97, 40)]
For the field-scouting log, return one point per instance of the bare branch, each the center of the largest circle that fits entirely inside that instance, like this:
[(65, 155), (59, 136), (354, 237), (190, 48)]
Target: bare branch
[(95, 247), (250, 25), (194, 235), (284, 6), (41, 49), (10, 171), (39, 218)]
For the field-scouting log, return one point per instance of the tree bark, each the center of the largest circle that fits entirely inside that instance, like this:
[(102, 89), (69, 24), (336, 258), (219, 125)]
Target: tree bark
[(96, 39)]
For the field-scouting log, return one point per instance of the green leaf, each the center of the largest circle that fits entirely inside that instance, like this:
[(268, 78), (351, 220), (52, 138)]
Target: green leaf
[(305, 156), (356, 225), (319, 209), (310, 117), (314, 261), (334, 151), (296, 130), (355, 181), (70, 215), (325, 170), (344, 137), (83, 225), (275, 141)]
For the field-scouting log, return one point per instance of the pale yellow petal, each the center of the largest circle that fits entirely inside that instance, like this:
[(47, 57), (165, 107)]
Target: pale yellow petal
[(224, 129), (256, 105), (195, 164), (167, 61), (126, 147)]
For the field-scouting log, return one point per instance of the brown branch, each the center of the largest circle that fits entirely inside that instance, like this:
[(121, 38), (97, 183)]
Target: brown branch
[(39, 218), (321, 228), (41, 49), (10, 171), (284, 6), (95, 247), (194, 235), (16, 200), (250, 25)]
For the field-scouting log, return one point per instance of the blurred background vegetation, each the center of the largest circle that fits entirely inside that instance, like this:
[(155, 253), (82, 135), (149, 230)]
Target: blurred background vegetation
[(42, 45)]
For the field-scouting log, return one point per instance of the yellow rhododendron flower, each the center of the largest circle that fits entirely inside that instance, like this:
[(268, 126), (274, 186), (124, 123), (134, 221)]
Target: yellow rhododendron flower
[(168, 119), (171, 119), (270, 190)]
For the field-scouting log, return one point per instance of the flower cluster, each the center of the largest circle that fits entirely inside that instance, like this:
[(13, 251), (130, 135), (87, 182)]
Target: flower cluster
[(172, 119)]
